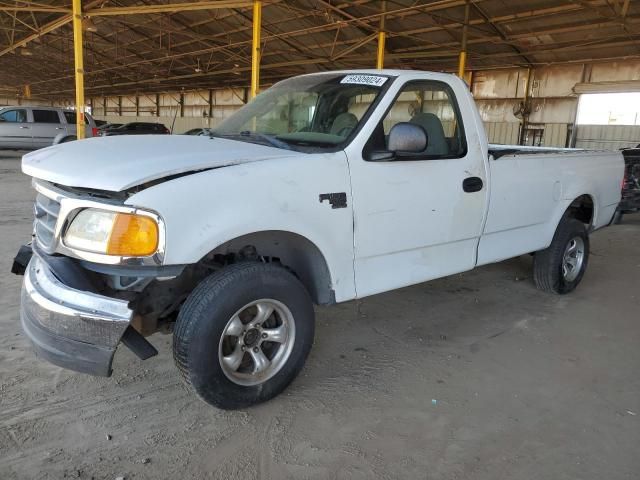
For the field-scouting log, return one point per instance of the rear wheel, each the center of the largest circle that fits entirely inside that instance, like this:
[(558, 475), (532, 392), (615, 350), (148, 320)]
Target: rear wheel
[(244, 334), (560, 268)]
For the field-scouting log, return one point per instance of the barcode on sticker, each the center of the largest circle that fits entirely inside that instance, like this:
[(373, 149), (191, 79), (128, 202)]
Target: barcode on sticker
[(373, 80)]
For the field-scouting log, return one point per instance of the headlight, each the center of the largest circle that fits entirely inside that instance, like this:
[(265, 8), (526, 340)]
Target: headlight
[(113, 233)]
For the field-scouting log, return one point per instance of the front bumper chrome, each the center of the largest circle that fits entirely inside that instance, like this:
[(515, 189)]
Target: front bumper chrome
[(74, 329)]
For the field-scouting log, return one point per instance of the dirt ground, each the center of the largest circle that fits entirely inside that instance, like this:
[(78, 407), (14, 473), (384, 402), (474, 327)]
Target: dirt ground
[(476, 376)]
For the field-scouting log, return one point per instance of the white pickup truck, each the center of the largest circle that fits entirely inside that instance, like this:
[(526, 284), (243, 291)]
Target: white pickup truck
[(326, 188)]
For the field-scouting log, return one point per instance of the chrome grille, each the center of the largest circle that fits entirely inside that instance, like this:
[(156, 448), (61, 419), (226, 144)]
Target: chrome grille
[(46, 213)]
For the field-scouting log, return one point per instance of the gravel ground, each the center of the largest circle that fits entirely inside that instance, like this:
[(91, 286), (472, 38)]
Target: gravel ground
[(476, 376)]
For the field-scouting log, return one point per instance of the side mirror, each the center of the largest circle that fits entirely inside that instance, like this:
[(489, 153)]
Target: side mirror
[(405, 140)]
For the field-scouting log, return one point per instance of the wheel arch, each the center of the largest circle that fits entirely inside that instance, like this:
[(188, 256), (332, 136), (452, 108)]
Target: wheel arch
[(63, 137), (582, 208), (293, 251)]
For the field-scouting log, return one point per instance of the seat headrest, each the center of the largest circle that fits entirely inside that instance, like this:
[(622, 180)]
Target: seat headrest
[(342, 121)]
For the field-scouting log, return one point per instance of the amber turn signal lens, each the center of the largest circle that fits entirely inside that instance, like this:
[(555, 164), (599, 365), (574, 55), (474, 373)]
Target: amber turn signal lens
[(133, 235)]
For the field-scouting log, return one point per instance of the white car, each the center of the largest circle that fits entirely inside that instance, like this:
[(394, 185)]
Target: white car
[(326, 188), (30, 128)]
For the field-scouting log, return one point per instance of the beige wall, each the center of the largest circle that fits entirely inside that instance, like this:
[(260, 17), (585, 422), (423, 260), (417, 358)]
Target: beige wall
[(553, 102), (497, 92), (607, 137), (7, 100)]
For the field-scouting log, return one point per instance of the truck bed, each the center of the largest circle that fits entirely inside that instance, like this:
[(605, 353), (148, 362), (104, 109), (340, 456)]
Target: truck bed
[(497, 151)]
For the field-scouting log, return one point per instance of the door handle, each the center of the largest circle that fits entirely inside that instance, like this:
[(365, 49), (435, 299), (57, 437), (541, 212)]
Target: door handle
[(25, 127), (59, 128), (472, 184)]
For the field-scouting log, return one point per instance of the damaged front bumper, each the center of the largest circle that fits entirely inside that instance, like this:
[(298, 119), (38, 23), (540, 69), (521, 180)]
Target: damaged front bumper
[(71, 328)]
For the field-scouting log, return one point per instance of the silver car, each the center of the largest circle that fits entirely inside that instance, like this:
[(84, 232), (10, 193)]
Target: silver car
[(36, 127)]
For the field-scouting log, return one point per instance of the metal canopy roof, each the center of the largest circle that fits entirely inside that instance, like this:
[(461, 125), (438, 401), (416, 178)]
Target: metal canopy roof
[(207, 44)]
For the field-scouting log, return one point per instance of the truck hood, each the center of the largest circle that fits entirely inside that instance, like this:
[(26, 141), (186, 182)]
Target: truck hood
[(118, 163)]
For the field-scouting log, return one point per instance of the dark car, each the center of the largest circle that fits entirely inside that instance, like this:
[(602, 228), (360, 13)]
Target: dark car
[(630, 201), (198, 131), (138, 128), (108, 126)]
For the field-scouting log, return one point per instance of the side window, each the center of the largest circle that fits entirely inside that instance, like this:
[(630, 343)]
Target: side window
[(432, 106), (14, 116), (46, 116), (71, 118)]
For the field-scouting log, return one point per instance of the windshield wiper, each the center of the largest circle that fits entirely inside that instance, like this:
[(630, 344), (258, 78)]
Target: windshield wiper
[(272, 140), (307, 141), (253, 135)]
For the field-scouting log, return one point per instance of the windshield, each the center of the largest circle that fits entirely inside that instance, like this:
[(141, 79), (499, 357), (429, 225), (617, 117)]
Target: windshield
[(308, 113)]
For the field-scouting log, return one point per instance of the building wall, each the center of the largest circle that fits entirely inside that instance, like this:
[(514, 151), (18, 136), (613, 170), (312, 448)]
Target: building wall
[(13, 100), (497, 92), (607, 137), (553, 102)]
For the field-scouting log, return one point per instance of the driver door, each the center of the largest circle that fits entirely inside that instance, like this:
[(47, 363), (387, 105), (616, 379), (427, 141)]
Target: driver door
[(15, 129), (414, 221)]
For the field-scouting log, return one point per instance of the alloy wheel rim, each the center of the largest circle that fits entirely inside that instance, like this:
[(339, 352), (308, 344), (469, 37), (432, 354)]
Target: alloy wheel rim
[(256, 342), (573, 259)]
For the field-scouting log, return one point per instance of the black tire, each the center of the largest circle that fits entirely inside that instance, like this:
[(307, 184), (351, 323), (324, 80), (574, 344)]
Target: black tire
[(205, 315), (617, 218), (547, 264)]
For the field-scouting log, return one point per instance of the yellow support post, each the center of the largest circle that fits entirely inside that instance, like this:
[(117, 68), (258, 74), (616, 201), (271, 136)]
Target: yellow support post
[(255, 48), (380, 59), (462, 59), (382, 37), (462, 63), (79, 68)]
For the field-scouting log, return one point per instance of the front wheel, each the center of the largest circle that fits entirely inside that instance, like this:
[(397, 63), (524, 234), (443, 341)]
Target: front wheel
[(560, 267), (244, 334)]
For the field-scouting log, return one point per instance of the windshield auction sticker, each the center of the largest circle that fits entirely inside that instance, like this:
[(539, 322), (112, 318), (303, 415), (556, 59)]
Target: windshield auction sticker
[(373, 80)]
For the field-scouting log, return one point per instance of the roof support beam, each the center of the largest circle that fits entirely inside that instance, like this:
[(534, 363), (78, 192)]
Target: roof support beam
[(36, 9), (167, 8), (499, 31), (354, 47), (147, 9), (49, 27)]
